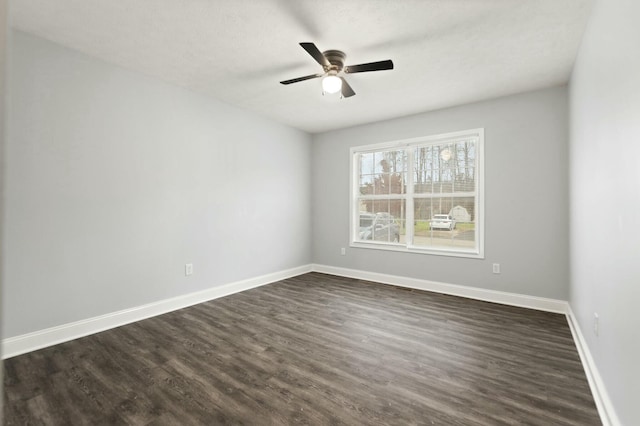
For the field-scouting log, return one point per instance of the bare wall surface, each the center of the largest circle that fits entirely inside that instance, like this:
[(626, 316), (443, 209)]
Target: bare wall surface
[(3, 134), (115, 181), (526, 195), (605, 198)]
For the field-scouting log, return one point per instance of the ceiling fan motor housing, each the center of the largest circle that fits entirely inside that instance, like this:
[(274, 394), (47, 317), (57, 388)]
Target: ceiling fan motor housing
[(336, 59)]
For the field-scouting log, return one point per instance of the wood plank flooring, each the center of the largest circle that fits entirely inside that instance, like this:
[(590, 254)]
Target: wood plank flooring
[(317, 350)]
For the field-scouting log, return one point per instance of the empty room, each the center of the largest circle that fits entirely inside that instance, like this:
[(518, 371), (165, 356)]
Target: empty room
[(320, 212)]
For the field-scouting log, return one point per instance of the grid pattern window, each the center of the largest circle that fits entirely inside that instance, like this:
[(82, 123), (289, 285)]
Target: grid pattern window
[(422, 195)]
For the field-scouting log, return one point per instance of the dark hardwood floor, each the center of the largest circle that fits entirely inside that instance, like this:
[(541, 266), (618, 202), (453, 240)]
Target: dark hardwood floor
[(313, 349)]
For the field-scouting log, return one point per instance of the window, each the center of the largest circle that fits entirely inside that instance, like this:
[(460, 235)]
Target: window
[(421, 195)]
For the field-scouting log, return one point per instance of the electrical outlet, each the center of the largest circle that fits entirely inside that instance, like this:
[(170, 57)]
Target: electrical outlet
[(596, 324), (343, 251), (188, 269), (496, 268)]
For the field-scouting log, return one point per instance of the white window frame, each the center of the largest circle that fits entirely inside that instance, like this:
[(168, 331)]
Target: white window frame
[(476, 252)]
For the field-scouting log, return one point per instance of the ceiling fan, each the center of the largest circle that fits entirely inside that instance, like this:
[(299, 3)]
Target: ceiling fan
[(332, 62)]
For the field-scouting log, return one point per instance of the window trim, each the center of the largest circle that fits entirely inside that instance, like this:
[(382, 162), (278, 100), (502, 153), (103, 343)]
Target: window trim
[(477, 253)]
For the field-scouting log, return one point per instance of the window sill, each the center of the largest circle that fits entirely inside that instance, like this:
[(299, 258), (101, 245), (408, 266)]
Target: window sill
[(473, 254)]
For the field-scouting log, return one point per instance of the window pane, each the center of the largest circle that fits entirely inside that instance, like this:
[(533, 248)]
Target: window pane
[(444, 222), (378, 162), (366, 173), (366, 185), (383, 172), (464, 164), (382, 220), (395, 182), (445, 168), (422, 214), (423, 170)]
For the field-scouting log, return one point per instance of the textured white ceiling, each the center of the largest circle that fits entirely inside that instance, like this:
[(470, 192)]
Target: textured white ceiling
[(446, 52)]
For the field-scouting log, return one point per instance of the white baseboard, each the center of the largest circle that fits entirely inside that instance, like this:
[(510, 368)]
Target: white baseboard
[(63, 333), (513, 299), (18, 345), (51, 336), (607, 413), (600, 395)]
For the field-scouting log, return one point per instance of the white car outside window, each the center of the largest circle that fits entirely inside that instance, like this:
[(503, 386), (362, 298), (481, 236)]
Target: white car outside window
[(443, 221)]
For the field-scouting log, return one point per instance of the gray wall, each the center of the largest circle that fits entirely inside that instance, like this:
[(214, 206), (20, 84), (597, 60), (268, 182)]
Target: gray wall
[(526, 198), (3, 99), (116, 180), (605, 198)]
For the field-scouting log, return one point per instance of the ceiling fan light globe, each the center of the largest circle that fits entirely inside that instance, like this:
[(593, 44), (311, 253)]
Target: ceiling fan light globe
[(331, 84)]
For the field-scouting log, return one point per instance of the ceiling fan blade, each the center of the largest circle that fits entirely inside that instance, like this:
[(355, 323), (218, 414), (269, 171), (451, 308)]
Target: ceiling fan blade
[(316, 54), (347, 91), (371, 66), (306, 77)]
